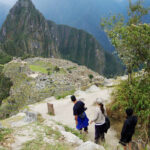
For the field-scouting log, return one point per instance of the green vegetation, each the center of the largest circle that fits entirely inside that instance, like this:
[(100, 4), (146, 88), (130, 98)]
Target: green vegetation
[(90, 76), (71, 68), (64, 94), (136, 96), (5, 85), (43, 132), (131, 40), (56, 68), (1, 67), (38, 69), (75, 132), (46, 68), (39, 144), (4, 133), (25, 56), (4, 58)]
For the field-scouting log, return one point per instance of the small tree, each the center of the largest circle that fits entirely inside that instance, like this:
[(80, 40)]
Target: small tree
[(57, 69), (48, 71), (5, 85), (132, 42), (131, 39), (91, 76)]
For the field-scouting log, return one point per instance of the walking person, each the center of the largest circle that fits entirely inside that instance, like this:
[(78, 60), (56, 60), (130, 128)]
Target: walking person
[(99, 119), (128, 129), (81, 119)]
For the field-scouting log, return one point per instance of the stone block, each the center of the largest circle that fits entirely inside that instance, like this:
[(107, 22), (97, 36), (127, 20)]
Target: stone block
[(30, 116)]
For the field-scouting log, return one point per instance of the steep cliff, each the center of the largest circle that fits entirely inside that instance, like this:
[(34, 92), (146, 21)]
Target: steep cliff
[(26, 31)]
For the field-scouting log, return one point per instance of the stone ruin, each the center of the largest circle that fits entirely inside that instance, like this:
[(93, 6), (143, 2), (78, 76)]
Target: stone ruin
[(30, 116)]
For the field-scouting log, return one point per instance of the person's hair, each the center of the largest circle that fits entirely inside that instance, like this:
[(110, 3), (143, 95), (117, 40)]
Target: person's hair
[(73, 98), (102, 108), (129, 112)]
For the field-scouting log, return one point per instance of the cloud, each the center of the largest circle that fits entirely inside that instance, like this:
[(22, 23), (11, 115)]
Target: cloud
[(7, 2)]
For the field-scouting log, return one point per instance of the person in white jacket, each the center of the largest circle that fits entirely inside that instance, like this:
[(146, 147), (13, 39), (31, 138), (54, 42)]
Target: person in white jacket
[(99, 120)]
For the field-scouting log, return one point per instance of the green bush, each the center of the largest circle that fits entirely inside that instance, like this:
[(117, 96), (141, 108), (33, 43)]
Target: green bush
[(4, 58), (74, 131), (3, 133), (25, 56), (136, 96), (56, 68), (64, 94), (5, 85), (91, 76)]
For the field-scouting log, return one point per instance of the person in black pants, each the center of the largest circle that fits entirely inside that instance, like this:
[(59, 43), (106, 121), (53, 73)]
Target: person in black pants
[(128, 129), (99, 119), (80, 115)]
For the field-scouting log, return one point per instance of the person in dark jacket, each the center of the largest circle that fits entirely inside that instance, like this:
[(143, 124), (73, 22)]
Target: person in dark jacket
[(128, 129), (80, 116)]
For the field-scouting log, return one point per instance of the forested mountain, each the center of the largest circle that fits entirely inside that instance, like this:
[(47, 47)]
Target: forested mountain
[(84, 14), (26, 31)]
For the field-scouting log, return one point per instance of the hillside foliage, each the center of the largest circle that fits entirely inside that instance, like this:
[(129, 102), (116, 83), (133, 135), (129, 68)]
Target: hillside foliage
[(136, 96), (5, 83), (131, 40), (4, 58)]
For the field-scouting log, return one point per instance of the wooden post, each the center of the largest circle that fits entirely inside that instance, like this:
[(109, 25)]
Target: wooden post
[(50, 109)]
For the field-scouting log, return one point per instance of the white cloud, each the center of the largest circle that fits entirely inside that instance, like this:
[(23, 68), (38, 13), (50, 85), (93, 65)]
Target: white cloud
[(8, 2)]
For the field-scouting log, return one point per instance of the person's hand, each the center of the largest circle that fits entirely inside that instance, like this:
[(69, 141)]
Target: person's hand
[(91, 122), (76, 123)]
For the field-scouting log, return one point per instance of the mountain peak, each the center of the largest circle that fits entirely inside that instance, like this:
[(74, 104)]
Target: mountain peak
[(27, 32), (21, 5), (24, 3)]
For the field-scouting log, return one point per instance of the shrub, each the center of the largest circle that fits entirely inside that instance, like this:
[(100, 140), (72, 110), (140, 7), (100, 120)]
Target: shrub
[(25, 56), (5, 85), (91, 76), (64, 94), (4, 58), (56, 68), (136, 96), (3, 133)]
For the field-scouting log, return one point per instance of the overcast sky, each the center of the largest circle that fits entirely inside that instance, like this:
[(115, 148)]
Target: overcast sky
[(11, 2), (8, 2)]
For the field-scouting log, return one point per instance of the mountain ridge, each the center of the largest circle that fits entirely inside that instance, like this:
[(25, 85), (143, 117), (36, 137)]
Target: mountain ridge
[(26, 31)]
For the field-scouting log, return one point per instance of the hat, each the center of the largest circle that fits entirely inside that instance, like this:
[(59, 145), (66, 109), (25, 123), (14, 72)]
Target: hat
[(99, 100)]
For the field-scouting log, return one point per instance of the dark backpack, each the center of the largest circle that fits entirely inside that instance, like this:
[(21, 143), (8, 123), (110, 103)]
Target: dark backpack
[(107, 123)]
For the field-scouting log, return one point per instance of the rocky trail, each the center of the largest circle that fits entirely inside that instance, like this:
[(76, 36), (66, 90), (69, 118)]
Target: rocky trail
[(64, 115)]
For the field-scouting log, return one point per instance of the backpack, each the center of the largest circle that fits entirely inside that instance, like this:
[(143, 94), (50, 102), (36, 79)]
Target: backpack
[(107, 123)]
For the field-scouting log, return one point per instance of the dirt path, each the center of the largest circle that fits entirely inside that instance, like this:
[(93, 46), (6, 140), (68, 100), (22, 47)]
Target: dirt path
[(64, 114)]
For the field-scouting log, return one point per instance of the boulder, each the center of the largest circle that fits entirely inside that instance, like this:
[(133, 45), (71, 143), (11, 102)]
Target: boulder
[(89, 146), (30, 116), (71, 138)]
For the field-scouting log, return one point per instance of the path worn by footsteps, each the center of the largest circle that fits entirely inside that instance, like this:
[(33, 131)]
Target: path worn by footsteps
[(64, 112)]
